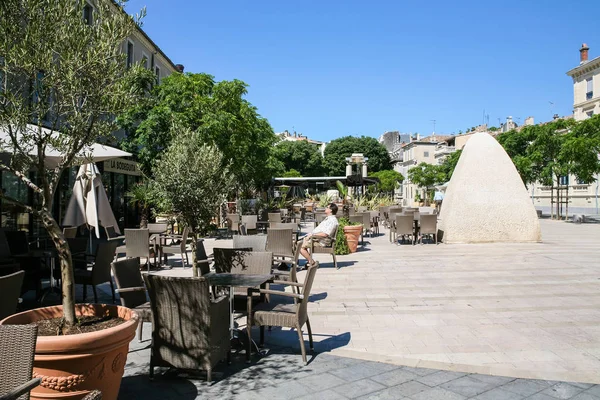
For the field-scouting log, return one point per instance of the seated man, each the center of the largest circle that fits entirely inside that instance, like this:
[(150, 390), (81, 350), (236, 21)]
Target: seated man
[(322, 235)]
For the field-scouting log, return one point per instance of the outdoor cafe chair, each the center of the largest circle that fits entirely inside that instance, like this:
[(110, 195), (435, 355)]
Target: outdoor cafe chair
[(249, 222), (70, 232), (255, 242), (111, 234), (274, 217), (190, 329), (280, 243), (10, 290), (100, 271), (137, 243), (17, 348), (293, 315), (326, 249), (319, 217), (233, 223), (428, 226), (403, 226), (202, 259), (180, 248), (295, 227), (131, 289)]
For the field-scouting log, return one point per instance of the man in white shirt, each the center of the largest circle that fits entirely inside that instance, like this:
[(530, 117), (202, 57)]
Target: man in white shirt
[(322, 235)]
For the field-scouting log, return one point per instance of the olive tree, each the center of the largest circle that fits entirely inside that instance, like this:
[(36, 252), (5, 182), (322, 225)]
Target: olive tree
[(191, 179), (62, 78)]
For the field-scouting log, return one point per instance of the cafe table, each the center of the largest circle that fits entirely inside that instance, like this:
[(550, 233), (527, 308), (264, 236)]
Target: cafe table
[(240, 280)]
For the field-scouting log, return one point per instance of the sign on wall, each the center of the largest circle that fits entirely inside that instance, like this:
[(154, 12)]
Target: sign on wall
[(121, 166)]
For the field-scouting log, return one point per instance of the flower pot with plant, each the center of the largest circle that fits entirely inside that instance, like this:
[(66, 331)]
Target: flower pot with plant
[(347, 236)]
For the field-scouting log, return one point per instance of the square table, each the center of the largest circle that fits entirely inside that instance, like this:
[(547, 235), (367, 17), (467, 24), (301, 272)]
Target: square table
[(240, 280)]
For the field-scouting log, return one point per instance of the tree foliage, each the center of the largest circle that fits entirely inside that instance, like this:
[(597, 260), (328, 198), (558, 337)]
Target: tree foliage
[(546, 152), (338, 149), (449, 164), (388, 180), (192, 179), (68, 76), (301, 156), (220, 115), (426, 176), (292, 173)]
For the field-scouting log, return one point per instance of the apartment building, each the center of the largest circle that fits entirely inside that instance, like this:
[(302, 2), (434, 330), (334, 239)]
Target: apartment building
[(580, 198), (414, 153), (586, 85)]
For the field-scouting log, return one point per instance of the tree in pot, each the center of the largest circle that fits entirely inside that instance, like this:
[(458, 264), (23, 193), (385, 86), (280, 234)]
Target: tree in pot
[(342, 245), (194, 179), (61, 77)]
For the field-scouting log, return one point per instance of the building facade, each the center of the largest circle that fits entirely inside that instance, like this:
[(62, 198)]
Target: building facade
[(586, 85), (118, 178)]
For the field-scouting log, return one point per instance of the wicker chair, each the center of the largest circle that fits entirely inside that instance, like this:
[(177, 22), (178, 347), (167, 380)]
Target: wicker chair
[(428, 226), (202, 259), (242, 261), (70, 232), (295, 227), (131, 289), (189, 329), (249, 221), (255, 242), (17, 348), (100, 272), (233, 223), (10, 289), (404, 226), (279, 242), (327, 249), (111, 234), (274, 217), (137, 243), (181, 248), (287, 315)]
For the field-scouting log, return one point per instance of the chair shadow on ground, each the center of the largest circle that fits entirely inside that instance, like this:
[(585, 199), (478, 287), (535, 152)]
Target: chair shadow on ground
[(275, 365)]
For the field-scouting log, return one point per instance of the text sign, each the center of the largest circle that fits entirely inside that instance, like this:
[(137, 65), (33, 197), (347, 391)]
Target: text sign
[(122, 166)]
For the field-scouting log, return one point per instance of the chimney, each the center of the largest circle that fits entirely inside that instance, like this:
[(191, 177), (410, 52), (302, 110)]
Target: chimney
[(179, 68), (583, 53)]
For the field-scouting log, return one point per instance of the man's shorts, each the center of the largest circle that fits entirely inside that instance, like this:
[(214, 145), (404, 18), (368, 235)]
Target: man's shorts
[(309, 242)]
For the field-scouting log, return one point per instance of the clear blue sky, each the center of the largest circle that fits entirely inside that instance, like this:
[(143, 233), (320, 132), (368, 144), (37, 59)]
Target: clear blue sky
[(331, 68)]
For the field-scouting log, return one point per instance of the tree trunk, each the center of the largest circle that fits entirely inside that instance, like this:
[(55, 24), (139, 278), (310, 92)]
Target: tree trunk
[(66, 265), (194, 260)]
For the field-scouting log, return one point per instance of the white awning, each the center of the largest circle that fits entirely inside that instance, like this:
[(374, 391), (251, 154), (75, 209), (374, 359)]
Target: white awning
[(94, 153)]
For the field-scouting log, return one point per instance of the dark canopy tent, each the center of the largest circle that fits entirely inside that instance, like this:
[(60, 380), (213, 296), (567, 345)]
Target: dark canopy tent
[(318, 184)]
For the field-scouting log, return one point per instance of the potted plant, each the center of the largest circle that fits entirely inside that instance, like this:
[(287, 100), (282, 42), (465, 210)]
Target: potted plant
[(347, 236), (53, 111)]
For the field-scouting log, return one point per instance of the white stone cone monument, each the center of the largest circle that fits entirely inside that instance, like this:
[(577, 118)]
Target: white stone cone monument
[(486, 200)]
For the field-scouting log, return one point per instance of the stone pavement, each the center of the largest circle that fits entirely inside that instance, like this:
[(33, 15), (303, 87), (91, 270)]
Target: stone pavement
[(280, 375), (427, 322), (527, 310)]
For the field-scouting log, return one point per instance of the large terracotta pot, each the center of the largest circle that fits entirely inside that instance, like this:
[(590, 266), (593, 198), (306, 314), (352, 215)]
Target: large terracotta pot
[(352, 233), (73, 365)]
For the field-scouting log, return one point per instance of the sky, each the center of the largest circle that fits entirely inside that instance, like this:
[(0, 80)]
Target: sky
[(332, 68)]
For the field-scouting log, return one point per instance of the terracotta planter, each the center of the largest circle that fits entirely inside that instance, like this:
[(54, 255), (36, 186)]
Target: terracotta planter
[(71, 366), (352, 233)]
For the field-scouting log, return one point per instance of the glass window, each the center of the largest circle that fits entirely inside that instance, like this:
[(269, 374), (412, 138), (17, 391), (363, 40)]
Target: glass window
[(563, 180), (88, 14), (157, 71), (13, 217), (129, 53), (426, 154), (589, 93)]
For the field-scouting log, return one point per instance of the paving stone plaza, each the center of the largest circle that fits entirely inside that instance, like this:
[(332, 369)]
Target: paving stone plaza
[(486, 321)]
